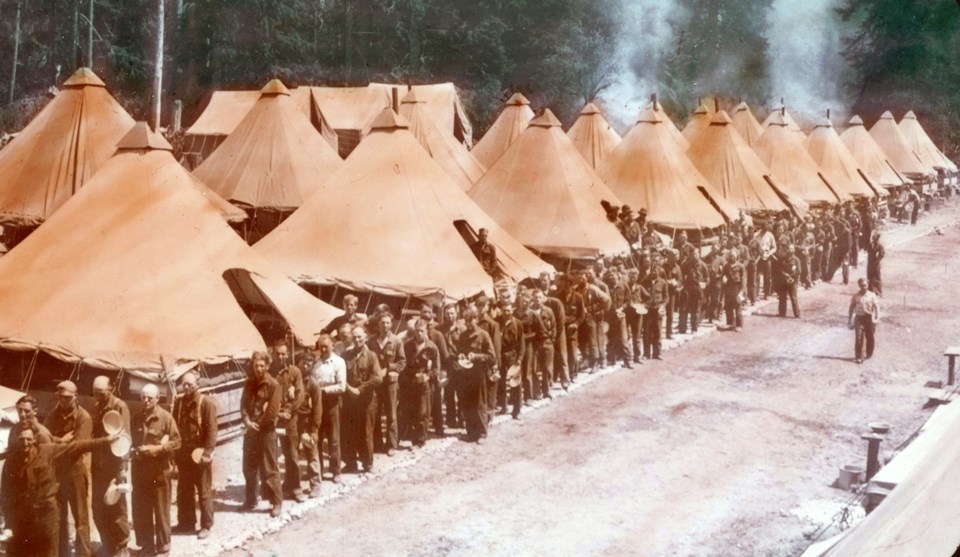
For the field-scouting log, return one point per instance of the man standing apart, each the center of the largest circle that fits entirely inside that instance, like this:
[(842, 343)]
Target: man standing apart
[(111, 520), (863, 317), (70, 422), (259, 408), (155, 440), (196, 417)]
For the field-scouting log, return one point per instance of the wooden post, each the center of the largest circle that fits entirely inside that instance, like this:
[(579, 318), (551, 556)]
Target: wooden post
[(90, 36), (951, 353), (176, 116), (158, 68), (395, 100), (16, 52)]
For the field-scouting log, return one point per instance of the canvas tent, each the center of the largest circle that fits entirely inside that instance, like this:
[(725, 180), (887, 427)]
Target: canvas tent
[(791, 166), (546, 196), (442, 104), (649, 170), (734, 170), (887, 135), (450, 154), (508, 126), (838, 165), (785, 116), (165, 282), (746, 124), (391, 221), (869, 156), (921, 144), (272, 162), (672, 128), (592, 135), (59, 150), (698, 122)]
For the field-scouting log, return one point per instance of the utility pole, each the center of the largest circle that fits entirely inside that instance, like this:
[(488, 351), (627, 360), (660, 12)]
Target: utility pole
[(16, 52), (90, 36), (158, 68)]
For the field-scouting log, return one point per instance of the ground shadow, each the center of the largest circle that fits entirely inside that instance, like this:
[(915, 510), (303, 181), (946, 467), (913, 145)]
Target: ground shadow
[(838, 358)]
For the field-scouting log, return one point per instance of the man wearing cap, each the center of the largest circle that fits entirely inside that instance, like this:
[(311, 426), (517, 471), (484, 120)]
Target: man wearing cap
[(259, 408), (155, 440), (389, 351), (511, 354), (28, 492), (196, 417), (310, 418), (292, 394), (70, 422), (330, 373), (423, 360), (111, 520), (472, 344), (360, 402)]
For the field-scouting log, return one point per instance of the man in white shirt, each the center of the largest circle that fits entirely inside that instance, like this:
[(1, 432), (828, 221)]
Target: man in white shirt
[(863, 317), (330, 373)]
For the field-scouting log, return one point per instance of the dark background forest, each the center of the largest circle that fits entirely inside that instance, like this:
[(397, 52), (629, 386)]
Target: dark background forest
[(860, 56)]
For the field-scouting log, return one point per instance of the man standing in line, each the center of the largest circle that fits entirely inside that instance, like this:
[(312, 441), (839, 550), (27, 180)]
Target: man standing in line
[(155, 440), (875, 254), (330, 373), (290, 379), (111, 520), (70, 422), (423, 361), (474, 344), (196, 417), (259, 407), (364, 376), (544, 326), (789, 271), (389, 351), (863, 317), (768, 248)]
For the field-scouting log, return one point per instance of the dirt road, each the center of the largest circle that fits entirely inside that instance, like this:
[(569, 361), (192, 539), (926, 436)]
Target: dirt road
[(728, 446)]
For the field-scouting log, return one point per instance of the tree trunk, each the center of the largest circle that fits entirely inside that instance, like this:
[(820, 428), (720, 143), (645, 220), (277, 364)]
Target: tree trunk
[(74, 56), (16, 52), (158, 68), (347, 40), (90, 36)]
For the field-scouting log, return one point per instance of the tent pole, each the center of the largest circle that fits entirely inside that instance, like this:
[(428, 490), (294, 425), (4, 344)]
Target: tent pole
[(28, 378), (366, 308)]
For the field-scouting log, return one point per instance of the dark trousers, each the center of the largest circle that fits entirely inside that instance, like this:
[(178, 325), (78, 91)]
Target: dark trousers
[(260, 466), (690, 310), (330, 430), (570, 336), (713, 302), (194, 489), (589, 349), (788, 291), (805, 269), (854, 253), (765, 269), (507, 395), (873, 279), (436, 403), (111, 520), (864, 328), (752, 282), (35, 531), (151, 502), (451, 401), (414, 411), (634, 326), (668, 313), (652, 322), (359, 414), (914, 213), (75, 494), (543, 351), (560, 365), (733, 310), (290, 446), (473, 402), (385, 434), (528, 372), (618, 346), (828, 265)]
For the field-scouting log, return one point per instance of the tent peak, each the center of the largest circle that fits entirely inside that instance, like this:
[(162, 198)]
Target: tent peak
[(741, 107), (141, 137), (887, 115), (909, 115), (777, 119), (389, 120), (546, 120), (590, 108), (84, 77), (412, 97), (701, 109), (856, 121), (517, 99), (649, 116), (721, 119), (823, 123), (275, 87)]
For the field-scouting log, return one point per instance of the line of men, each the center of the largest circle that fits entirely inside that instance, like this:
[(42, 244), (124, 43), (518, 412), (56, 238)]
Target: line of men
[(67, 465)]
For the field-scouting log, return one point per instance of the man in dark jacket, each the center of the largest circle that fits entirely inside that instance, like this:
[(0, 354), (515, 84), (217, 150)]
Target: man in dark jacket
[(196, 417), (111, 520), (364, 376), (259, 409), (472, 344)]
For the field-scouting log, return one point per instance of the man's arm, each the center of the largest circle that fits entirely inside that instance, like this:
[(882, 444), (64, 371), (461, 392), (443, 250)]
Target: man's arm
[(208, 435), (269, 417)]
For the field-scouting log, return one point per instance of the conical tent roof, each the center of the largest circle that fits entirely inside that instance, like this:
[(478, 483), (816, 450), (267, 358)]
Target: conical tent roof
[(869, 156), (746, 124), (59, 150), (509, 125), (274, 159), (390, 215), (672, 128), (449, 153), (164, 283), (649, 170), (546, 196), (592, 135), (784, 115), (921, 144), (790, 165), (887, 135), (838, 165), (698, 122), (731, 166)]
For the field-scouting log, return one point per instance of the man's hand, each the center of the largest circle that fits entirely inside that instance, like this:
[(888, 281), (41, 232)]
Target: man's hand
[(67, 438)]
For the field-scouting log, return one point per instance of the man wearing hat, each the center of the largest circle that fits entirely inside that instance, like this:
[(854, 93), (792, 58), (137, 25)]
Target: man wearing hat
[(155, 440), (69, 422), (196, 417), (111, 520)]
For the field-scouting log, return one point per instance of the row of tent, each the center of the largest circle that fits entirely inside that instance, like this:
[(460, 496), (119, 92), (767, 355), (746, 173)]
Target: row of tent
[(152, 241)]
